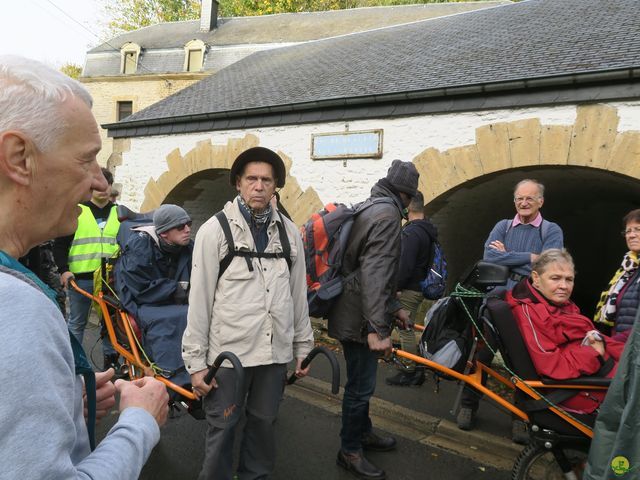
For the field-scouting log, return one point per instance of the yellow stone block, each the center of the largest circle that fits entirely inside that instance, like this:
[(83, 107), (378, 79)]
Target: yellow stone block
[(153, 196), (464, 164), (554, 144), (594, 134), (493, 147), (174, 160), (524, 142), (625, 155)]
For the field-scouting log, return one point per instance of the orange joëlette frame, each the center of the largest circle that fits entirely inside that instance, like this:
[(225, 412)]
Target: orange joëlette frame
[(132, 357), (475, 380)]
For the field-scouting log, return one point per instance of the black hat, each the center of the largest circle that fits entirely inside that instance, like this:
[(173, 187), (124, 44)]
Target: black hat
[(259, 154), (403, 176)]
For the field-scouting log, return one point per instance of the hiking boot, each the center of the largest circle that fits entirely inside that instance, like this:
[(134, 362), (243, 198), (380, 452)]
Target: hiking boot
[(407, 379), (519, 432), (466, 419)]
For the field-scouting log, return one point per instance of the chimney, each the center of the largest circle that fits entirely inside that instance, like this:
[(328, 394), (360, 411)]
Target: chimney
[(208, 15)]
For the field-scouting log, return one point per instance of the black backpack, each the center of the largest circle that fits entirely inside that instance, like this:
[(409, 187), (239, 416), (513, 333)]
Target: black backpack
[(447, 337)]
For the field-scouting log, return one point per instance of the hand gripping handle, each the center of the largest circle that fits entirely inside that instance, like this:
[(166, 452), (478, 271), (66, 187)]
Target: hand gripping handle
[(237, 366), (335, 368)]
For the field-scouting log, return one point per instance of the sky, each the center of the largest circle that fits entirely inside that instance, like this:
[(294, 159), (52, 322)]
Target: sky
[(52, 31)]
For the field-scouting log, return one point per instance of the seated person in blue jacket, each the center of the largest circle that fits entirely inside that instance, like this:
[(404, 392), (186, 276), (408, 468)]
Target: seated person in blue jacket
[(152, 278)]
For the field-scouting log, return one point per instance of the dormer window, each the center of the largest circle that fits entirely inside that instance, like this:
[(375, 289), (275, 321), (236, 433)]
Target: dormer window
[(194, 56), (130, 52)]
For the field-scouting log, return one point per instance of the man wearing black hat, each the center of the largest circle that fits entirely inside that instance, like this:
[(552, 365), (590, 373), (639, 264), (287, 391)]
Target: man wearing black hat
[(152, 278), (364, 315), (248, 296)]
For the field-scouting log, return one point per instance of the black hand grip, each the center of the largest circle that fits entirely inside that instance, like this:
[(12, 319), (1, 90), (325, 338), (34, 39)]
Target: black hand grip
[(237, 366), (335, 368)]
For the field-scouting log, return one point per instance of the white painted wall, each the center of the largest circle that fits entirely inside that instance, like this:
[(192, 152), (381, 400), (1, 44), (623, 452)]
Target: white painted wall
[(335, 180)]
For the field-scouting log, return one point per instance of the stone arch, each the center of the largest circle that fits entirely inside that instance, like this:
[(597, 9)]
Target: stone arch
[(592, 141), (590, 170), (299, 204)]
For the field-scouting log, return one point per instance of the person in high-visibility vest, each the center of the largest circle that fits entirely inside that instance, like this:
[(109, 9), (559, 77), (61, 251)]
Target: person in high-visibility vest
[(81, 254)]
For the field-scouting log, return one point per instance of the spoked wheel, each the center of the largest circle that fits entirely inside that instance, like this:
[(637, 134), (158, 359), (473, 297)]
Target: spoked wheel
[(538, 463)]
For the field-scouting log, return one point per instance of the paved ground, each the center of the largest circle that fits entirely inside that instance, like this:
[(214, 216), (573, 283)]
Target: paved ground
[(309, 425)]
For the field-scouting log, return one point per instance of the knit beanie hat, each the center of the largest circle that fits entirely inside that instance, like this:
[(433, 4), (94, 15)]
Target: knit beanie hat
[(403, 176), (169, 216)]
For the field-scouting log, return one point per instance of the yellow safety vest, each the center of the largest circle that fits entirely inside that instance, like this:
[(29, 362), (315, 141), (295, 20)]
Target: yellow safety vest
[(90, 244)]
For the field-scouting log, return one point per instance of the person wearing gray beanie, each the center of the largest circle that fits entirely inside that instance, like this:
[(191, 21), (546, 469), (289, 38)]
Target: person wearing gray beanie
[(152, 282), (170, 216)]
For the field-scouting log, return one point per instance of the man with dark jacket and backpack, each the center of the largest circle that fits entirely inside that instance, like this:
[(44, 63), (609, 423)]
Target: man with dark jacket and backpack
[(248, 297), (514, 242), (417, 239), (364, 315)]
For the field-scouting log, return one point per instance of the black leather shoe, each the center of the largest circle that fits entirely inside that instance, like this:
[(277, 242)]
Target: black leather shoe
[(407, 379), (357, 465), (376, 443)]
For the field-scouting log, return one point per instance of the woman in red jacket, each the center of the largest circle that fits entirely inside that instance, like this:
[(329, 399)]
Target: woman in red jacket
[(562, 342)]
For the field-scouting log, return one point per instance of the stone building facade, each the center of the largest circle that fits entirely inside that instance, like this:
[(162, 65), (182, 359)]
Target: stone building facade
[(507, 99)]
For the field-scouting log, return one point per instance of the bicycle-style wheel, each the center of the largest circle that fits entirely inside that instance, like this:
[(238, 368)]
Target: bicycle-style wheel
[(560, 463)]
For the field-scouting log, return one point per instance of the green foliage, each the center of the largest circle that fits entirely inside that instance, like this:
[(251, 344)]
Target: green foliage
[(236, 8), (129, 15), (71, 70)]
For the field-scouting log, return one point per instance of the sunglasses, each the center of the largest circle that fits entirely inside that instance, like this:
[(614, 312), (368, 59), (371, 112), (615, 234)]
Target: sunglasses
[(180, 228)]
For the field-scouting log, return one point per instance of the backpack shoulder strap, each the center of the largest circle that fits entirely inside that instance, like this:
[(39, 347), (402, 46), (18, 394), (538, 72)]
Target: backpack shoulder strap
[(544, 230), (284, 241), (507, 223), (226, 229)]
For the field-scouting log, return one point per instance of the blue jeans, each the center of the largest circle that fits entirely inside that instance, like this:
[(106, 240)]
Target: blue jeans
[(362, 366), (79, 309)]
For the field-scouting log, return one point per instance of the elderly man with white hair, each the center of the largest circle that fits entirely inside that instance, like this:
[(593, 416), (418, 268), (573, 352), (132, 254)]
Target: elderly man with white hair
[(48, 146)]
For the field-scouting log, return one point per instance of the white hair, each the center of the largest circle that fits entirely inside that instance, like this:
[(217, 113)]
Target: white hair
[(530, 180), (31, 95)]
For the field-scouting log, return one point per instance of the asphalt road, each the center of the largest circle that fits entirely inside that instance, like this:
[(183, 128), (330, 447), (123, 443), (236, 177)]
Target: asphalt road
[(307, 446), (308, 437)]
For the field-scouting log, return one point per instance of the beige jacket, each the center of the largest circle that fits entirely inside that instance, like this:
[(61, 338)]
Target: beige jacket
[(261, 316)]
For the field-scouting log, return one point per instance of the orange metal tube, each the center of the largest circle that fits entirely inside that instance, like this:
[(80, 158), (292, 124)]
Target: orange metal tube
[(584, 429), (472, 379), (134, 359)]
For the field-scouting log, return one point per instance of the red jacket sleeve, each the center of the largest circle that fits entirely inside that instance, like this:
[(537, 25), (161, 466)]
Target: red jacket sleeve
[(556, 358)]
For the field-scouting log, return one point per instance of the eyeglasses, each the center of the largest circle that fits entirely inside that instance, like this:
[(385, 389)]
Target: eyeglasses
[(630, 230), (525, 199), (180, 228)]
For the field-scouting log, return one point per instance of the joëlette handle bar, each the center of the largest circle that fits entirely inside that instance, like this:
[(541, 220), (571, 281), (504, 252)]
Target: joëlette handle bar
[(237, 366), (335, 368)]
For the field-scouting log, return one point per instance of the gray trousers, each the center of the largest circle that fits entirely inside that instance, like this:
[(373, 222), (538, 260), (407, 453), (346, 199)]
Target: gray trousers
[(263, 387)]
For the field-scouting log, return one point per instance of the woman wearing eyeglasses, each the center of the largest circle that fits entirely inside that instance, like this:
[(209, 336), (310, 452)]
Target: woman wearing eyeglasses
[(618, 304)]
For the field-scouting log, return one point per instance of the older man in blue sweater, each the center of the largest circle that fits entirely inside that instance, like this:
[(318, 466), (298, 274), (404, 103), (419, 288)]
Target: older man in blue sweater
[(514, 242)]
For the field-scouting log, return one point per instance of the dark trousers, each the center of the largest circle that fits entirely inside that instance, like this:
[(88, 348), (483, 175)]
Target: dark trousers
[(362, 366), (470, 396), (264, 386)]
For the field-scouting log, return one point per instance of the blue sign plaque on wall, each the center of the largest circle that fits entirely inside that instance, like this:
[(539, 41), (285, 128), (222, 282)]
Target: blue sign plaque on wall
[(360, 144)]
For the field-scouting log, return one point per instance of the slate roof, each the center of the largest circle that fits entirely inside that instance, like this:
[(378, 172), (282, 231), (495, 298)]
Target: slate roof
[(526, 40), (163, 44)]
